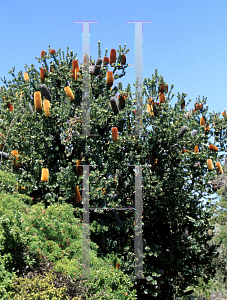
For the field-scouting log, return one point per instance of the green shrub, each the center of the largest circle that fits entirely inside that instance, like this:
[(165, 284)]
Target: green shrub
[(37, 288)]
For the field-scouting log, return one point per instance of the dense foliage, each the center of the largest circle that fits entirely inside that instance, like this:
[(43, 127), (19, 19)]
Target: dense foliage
[(42, 144)]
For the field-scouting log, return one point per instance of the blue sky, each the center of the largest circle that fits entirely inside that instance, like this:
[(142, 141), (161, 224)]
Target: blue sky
[(185, 41)]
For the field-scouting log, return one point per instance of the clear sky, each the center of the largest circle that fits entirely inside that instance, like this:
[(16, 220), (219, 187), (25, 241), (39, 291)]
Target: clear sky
[(185, 41)]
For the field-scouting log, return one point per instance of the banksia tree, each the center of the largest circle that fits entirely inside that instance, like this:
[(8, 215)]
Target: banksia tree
[(173, 216)]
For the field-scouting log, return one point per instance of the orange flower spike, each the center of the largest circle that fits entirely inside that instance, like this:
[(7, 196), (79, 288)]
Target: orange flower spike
[(52, 51), (38, 101), (69, 92), (11, 107), (42, 53), (196, 149), (209, 164), (46, 106), (79, 169), (161, 98), (213, 148), (219, 168), (45, 175), (77, 194), (117, 265), (14, 152), (109, 78), (26, 77), (202, 121), (113, 54), (75, 64), (42, 74), (106, 60), (123, 60), (114, 134), (77, 71), (207, 129)]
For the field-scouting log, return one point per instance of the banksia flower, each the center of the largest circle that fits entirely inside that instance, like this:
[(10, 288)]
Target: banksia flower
[(196, 149), (162, 88), (45, 175), (209, 164), (224, 115), (114, 105), (202, 121), (45, 92), (52, 51), (42, 74), (69, 92), (161, 98), (42, 53), (77, 70), (79, 169), (11, 107), (77, 194), (26, 77), (38, 101), (150, 100), (123, 60), (14, 152), (213, 148), (112, 56), (194, 132), (109, 78), (207, 129), (121, 99), (182, 131), (117, 265), (106, 60), (219, 168), (46, 106), (198, 106), (75, 64), (114, 134)]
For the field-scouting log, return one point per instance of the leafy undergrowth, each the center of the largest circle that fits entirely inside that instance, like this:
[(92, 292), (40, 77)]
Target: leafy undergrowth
[(41, 253)]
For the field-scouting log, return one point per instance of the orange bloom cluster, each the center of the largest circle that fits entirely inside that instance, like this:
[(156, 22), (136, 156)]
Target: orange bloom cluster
[(109, 78), (209, 164), (123, 60), (52, 51), (113, 54), (219, 168), (196, 149), (106, 60), (202, 121), (26, 77), (79, 169), (38, 101), (77, 194), (213, 148), (15, 153), (42, 53), (161, 98), (198, 106), (46, 105), (45, 175), (114, 134), (69, 92)]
